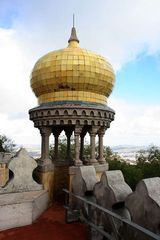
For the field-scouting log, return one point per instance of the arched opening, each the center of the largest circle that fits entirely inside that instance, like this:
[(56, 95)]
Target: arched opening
[(54, 122), (83, 113), (92, 114), (66, 113), (77, 122), (74, 113), (99, 114), (48, 113), (56, 113), (85, 122), (69, 122)]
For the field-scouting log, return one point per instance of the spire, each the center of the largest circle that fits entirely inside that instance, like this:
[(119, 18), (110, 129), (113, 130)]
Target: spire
[(73, 36)]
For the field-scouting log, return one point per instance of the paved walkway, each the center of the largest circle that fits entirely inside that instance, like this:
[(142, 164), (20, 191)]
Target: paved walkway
[(50, 226)]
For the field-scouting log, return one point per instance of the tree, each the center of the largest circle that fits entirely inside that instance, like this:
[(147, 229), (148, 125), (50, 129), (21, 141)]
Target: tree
[(149, 162), (62, 148), (6, 144), (147, 165)]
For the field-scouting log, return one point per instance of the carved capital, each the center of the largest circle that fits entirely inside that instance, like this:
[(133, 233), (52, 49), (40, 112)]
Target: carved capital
[(101, 131), (77, 130), (93, 131), (45, 131)]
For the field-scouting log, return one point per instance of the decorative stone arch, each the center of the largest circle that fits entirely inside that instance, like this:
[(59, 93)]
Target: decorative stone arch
[(84, 113), (99, 114), (70, 116), (91, 114), (61, 122), (85, 122), (69, 122), (65, 113), (77, 122), (75, 113), (92, 123), (48, 113), (56, 113)]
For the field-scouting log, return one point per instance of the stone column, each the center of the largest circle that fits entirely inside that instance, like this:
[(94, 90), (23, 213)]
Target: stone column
[(56, 133), (77, 132), (56, 138), (45, 162), (82, 146), (68, 153), (45, 170), (101, 133), (93, 133)]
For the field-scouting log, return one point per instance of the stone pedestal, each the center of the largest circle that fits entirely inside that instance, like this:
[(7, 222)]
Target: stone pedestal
[(100, 168), (144, 204), (21, 209), (22, 200), (22, 166)]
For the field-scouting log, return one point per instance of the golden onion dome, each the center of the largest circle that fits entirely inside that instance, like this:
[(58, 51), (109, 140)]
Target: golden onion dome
[(72, 74)]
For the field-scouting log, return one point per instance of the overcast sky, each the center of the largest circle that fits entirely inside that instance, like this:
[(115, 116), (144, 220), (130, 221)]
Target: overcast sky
[(126, 32)]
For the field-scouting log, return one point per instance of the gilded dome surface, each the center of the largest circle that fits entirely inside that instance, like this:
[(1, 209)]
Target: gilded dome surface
[(72, 74)]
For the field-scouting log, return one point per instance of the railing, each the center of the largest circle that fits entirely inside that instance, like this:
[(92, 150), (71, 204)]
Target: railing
[(111, 215)]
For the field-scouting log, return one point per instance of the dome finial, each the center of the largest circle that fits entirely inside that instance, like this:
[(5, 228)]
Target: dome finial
[(73, 19), (73, 36)]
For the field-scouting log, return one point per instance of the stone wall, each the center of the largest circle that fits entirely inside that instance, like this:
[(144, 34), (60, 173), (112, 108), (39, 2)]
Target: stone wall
[(4, 174)]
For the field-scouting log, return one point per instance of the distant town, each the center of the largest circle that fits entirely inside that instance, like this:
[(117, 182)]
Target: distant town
[(126, 152)]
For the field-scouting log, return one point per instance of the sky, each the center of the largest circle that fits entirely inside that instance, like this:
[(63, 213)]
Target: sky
[(126, 32)]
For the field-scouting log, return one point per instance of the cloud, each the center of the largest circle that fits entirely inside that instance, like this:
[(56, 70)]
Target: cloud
[(21, 131), (133, 124), (119, 31), (14, 74)]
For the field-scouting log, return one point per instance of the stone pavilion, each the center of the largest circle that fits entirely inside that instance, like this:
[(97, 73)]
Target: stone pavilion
[(72, 86)]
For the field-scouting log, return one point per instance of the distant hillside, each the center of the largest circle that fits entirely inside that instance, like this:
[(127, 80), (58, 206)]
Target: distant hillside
[(33, 149), (127, 152)]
